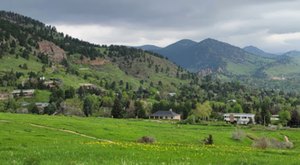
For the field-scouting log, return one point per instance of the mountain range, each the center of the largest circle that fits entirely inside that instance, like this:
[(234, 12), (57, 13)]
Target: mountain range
[(213, 56)]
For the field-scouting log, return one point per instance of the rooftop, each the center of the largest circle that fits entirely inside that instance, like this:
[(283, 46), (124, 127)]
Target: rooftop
[(24, 91), (239, 114), (165, 113)]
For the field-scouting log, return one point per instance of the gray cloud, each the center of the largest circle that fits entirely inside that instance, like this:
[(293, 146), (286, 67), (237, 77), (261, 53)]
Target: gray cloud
[(269, 24)]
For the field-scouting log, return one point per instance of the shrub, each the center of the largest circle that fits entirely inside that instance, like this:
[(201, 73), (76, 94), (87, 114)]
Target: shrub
[(288, 145), (261, 143), (146, 139), (209, 140), (264, 143), (238, 134)]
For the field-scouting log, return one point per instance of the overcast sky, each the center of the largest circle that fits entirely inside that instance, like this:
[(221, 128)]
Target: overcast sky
[(272, 25)]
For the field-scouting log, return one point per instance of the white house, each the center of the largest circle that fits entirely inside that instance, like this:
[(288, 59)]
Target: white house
[(239, 118)]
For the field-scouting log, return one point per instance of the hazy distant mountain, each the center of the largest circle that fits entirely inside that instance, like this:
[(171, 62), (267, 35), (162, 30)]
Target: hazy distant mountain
[(257, 51), (148, 47), (210, 55), (213, 56), (293, 53)]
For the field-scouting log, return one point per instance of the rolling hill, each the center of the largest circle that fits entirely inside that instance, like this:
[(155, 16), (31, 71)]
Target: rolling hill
[(51, 53)]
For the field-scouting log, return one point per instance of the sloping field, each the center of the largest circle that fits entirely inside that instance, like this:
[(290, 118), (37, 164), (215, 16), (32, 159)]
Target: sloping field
[(34, 139)]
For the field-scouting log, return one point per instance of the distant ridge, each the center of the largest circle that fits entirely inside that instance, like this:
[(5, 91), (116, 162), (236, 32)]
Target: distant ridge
[(208, 55), (293, 53), (148, 47), (257, 51)]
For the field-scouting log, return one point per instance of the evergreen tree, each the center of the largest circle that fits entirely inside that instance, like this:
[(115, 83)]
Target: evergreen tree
[(117, 109)]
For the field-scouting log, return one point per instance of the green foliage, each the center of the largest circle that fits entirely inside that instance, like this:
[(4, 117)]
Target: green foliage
[(209, 140), (33, 109), (202, 111), (295, 118), (117, 110), (70, 93), (11, 105), (237, 108), (140, 110), (50, 109), (90, 104), (284, 117), (57, 95)]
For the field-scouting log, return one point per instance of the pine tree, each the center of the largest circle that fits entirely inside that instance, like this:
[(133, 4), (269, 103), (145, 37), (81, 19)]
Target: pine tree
[(117, 109)]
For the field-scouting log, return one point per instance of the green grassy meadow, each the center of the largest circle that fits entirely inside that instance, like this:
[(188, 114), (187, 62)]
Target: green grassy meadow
[(37, 139)]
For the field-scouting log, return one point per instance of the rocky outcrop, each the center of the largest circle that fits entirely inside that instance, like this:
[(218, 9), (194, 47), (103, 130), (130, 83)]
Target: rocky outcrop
[(55, 53)]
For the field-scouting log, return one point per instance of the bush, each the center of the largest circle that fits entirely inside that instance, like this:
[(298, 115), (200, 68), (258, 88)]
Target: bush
[(189, 120), (264, 143), (261, 143), (288, 145), (238, 134), (146, 139), (209, 140)]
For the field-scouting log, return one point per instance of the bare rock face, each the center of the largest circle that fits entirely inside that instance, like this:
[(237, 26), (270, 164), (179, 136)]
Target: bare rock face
[(55, 53)]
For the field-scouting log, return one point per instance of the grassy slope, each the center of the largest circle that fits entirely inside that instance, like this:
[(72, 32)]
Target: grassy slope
[(285, 69), (176, 144), (248, 67), (9, 62)]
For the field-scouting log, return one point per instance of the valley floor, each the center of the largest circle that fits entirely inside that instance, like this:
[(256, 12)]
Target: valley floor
[(37, 139)]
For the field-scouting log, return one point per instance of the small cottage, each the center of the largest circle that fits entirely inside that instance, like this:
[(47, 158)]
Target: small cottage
[(25, 93), (169, 115)]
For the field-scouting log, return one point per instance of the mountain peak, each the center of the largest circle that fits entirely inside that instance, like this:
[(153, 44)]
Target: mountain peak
[(210, 41), (256, 51), (185, 42)]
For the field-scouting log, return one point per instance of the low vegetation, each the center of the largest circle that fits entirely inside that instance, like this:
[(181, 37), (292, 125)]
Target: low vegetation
[(264, 142), (76, 140), (146, 139), (238, 134)]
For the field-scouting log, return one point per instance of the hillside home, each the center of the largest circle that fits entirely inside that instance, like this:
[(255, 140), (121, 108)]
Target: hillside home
[(169, 115), (4, 96), (88, 86), (172, 94), (52, 83), (239, 118), (25, 93)]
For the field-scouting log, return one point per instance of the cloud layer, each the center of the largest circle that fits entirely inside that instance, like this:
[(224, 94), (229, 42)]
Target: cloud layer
[(272, 25)]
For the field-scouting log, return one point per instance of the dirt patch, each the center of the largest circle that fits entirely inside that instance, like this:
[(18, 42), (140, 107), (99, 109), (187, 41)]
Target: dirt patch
[(70, 132), (55, 53), (96, 62)]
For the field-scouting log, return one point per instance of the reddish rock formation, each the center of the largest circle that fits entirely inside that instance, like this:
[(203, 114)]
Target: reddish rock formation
[(55, 53)]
